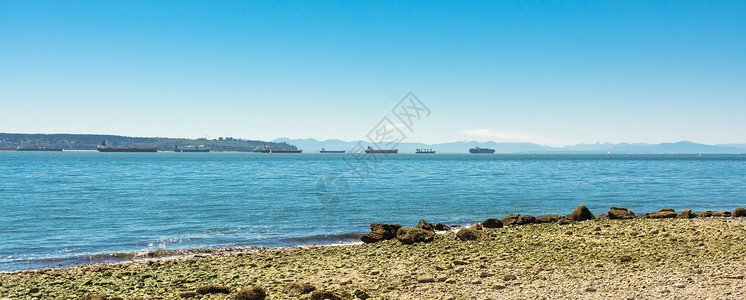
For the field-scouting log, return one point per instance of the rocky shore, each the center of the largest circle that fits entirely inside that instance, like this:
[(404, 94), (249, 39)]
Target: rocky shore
[(616, 255)]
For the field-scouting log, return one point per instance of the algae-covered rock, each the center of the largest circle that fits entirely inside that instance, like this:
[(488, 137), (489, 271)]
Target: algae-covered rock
[(547, 218), (360, 294), (297, 288), (581, 213), (686, 214), (411, 235), (251, 293), (322, 295), (704, 214), (722, 214), (425, 225), (376, 236), (511, 219), (392, 228), (620, 213), (528, 219), (469, 234), (492, 223), (665, 213), (213, 289), (739, 212), (442, 227), (94, 297)]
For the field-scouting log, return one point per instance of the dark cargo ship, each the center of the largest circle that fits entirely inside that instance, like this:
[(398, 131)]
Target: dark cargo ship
[(424, 151), (477, 150), (371, 150), (105, 147), (191, 149), (331, 151), (8, 148), (39, 149)]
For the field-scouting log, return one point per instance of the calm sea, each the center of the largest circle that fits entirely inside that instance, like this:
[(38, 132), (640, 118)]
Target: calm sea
[(71, 207)]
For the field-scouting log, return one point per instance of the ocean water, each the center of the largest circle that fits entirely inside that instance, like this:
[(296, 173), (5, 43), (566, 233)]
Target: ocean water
[(66, 208)]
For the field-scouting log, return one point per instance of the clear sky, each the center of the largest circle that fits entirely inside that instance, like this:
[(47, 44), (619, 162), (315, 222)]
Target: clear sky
[(550, 72)]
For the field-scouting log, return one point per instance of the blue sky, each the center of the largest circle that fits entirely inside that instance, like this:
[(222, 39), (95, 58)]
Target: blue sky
[(550, 72)]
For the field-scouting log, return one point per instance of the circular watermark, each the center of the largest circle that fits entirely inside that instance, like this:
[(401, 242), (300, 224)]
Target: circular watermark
[(332, 188)]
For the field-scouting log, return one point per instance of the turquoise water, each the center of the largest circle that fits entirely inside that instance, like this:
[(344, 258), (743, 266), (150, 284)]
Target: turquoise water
[(67, 207)]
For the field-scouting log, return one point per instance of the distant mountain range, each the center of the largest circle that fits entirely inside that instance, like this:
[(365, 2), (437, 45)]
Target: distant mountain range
[(684, 147)]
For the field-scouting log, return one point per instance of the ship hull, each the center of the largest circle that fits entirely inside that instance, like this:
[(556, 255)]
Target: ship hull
[(192, 150), (285, 151), (425, 152), (481, 151), (39, 149), (332, 151), (153, 149), (382, 151)]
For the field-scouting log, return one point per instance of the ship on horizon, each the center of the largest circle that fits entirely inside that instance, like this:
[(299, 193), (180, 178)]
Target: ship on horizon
[(267, 149), (39, 148), (331, 151), (371, 150), (477, 150), (106, 147), (424, 151), (200, 148)]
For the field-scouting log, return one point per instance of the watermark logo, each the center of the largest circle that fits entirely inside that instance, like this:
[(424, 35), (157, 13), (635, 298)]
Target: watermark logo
[(386, 135), (332, 188)]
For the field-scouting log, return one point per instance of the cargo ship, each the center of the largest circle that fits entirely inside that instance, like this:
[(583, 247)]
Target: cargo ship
[(39, 149), (371, 150), (477, 150), (285, 151), (331, 151), (424, 151), (267, 149), (200, 148), (105, 147), (8, 148)]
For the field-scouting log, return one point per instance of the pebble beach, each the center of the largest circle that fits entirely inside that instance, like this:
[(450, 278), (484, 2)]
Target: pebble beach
[(642, 257)]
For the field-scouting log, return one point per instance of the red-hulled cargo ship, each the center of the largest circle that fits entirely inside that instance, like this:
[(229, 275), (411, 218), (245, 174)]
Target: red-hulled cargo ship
[(371, 150), (105, 147)]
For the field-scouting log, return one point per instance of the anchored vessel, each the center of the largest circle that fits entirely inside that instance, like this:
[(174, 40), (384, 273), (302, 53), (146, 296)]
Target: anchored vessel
[(105, 147), (423, 151), (331, 151), (371, 150), (267, 149), (200, 148), (8, 148), (477, 150), (38, 149)]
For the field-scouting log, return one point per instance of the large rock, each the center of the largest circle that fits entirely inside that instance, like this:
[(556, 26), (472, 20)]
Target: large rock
[(327, 295), (665, 213), (425, 225), (492, 223), (392, 228), (376, 236), (547, 218), (297, 288), (251, 293), (722, 214), (686, 214), (616, 213), (581, 213), (511, 219), (469, 234), (704, 214), (527, 219), (739, 212), (442, 227), (411, 235)]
